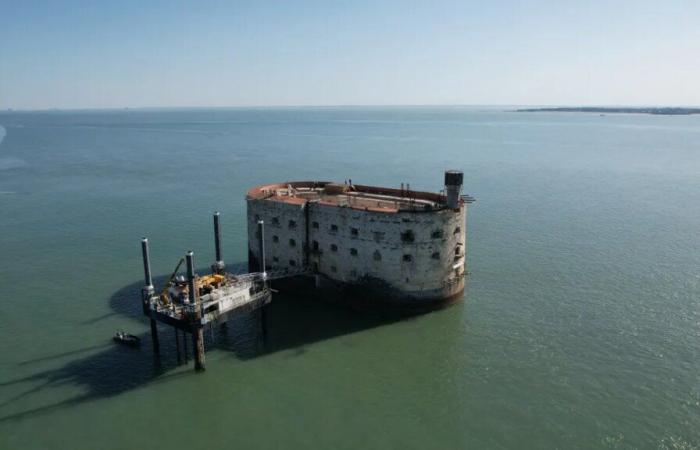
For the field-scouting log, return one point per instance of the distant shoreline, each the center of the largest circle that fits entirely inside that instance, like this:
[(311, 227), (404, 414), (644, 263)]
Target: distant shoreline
[(664, 111)]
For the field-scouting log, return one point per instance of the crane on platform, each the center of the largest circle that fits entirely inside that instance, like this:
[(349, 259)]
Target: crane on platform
[(164, 297)]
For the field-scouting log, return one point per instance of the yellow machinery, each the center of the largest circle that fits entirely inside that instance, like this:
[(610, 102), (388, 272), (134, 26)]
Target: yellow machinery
[(205, 284), (208, 283)]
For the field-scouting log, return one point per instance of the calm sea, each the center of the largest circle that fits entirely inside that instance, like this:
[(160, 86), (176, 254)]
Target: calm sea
[(580, 326)]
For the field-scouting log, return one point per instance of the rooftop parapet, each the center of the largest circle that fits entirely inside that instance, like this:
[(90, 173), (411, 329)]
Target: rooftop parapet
[(371, 198)]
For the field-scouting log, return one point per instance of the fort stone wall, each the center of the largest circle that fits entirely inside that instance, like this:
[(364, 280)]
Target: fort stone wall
[(416, 254)]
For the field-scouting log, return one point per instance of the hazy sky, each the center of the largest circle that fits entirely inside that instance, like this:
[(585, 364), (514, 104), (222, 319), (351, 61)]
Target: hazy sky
[(72, 54)]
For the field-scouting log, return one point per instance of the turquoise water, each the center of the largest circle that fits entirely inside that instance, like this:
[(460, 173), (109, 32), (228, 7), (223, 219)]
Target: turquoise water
[(579, 327)]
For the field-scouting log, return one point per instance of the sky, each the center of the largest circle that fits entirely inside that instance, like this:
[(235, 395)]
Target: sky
[(115, 54)]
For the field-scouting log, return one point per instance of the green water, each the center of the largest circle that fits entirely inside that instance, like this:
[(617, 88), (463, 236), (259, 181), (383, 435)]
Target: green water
[(579, 327)]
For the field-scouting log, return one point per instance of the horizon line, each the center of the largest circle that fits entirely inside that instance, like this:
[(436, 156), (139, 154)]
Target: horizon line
[(396, 105)]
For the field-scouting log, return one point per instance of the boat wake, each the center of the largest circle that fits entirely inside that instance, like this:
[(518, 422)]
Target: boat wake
[(8, 163)]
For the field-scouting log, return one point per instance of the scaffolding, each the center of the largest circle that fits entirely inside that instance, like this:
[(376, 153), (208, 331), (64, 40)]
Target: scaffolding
[(192, 302)]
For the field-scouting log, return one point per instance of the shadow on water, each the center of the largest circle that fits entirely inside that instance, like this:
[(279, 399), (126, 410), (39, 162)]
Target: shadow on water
[(62, 355), (289, 322)]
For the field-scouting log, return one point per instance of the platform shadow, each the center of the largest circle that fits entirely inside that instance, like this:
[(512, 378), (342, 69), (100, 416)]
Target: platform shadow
[(289, 322)]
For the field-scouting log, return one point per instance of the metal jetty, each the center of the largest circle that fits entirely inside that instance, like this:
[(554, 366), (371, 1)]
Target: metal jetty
[(190, 303)]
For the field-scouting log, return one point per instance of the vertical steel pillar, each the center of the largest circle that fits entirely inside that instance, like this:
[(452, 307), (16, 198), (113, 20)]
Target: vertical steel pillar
[(154, 337), (177, 345), (146, 263), (263, 324), (147, 292), (261, 243), (197, 334), (219, 265), (184, 345)]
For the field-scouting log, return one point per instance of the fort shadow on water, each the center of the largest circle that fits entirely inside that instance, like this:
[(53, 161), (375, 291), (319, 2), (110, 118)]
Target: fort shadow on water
[(231, 311)]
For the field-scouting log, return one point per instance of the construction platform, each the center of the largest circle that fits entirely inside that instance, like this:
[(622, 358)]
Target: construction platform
[(190, 303)]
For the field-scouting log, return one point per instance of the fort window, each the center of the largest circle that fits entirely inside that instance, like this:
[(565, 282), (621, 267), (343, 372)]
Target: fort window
[(334, 228), (437, 234), (314, 225), (378, 235), (276, 221), (407, 258), (275, 238), (275, 259), (334, 248), (408, 236), (314, 266), (435, 255), (315, 246), (292, 224), (334, 269), (458, 230), (377, 256), (292, 243), (353, 251), (456, 251), (292, 262), (354, 232)]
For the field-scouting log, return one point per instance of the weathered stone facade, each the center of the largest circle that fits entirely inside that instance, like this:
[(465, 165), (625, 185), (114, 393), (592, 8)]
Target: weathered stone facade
[(413, 255)]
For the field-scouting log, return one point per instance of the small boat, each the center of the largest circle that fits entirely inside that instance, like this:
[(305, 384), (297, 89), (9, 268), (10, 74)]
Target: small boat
[(127, 339)]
